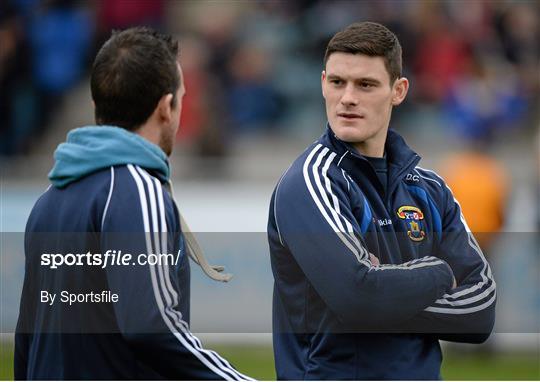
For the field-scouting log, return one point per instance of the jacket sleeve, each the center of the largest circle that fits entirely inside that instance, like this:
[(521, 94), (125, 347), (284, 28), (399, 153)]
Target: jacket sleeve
[(314, 221), (23, 335), (25, 327), (140, 219), (20, 365), (466, 313)]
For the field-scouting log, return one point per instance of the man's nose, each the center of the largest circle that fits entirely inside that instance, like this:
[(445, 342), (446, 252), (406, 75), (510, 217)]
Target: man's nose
[(349, 97)]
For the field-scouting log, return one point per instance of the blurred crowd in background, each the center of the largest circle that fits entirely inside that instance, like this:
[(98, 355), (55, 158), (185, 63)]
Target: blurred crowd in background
[(254, 66), (252, 73)]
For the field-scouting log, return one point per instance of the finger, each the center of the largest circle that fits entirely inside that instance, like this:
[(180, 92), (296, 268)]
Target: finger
[(374, 259)]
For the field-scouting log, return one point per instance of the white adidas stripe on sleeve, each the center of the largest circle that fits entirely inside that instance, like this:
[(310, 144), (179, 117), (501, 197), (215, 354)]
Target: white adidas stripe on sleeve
[(161, 283)]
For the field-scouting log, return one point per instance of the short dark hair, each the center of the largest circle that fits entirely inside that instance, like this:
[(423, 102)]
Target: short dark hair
[(131, 72), (371, 39)]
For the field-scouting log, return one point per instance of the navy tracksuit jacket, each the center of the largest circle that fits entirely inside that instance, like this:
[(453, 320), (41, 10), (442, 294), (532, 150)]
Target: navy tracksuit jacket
[(335, 314), (145, 335)]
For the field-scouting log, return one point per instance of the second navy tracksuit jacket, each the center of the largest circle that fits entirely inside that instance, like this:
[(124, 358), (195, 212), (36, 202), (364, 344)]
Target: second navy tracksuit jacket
[(109, 193), (338, 316)]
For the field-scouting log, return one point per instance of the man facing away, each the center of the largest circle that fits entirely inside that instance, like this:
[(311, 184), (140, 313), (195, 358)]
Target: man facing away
[(372, 259), (110, 195)]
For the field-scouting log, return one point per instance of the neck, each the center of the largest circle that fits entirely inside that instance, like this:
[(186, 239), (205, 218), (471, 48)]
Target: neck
[(150, 133), (372, 147), (366, 150)]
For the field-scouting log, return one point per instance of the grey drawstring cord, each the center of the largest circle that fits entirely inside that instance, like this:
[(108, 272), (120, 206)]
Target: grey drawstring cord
[(196, 254)]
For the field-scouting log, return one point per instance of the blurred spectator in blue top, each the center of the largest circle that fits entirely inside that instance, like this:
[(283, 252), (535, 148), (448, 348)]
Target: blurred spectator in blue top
[(253, 100), (60, 35), (485, 99), (17, 116)]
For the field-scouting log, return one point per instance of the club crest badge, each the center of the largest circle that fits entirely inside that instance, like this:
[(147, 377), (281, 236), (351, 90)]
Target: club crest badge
[(413, 217)]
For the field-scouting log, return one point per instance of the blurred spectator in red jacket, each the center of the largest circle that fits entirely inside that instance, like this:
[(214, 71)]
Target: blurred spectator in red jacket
[(441, 53)]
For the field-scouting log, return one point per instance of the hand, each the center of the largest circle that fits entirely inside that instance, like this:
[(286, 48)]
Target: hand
[(374, 259)]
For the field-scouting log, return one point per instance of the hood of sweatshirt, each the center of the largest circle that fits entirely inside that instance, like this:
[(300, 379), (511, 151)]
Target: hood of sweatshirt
[(92, 148)]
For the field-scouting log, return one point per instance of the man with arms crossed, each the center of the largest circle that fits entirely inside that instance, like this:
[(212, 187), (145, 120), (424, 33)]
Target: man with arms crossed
[(110, 193), (372, 259)]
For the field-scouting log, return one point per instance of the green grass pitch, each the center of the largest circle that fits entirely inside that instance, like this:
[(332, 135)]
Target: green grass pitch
[(258, 361)]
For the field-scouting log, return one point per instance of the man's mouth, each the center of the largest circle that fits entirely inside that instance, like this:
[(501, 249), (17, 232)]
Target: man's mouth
[(350, 116)]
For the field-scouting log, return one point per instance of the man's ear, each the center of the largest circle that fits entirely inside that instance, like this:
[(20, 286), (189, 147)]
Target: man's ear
[(399, 90), (164, 108), (323, 78)]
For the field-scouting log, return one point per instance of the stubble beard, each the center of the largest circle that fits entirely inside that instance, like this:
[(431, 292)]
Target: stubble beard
[(166, 143)]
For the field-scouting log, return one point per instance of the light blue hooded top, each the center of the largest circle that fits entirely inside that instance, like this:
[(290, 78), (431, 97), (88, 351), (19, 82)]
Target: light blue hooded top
[(91, 148)]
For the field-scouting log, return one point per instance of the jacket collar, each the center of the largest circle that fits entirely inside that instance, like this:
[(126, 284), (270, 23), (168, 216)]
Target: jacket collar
[(401, 158)]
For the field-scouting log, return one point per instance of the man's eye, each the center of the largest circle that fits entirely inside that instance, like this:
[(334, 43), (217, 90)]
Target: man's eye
[(366, 85), (336, 82)]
